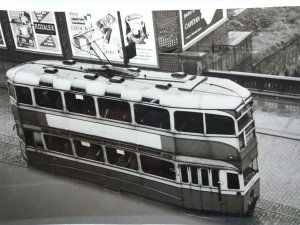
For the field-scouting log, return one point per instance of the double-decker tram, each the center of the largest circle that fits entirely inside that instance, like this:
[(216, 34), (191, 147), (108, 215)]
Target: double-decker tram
[(182, 139)]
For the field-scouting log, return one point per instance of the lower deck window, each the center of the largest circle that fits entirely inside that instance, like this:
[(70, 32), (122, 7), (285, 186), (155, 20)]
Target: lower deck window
[(88, 150), (194, 175), (121, 158), (58, 144), (250, 171), (233, 181), (33, 139), (184, 174), (158, 167), (215, 178), (204, 177)]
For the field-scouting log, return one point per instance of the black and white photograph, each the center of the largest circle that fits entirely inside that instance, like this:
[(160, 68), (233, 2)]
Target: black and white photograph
[(130, 112)]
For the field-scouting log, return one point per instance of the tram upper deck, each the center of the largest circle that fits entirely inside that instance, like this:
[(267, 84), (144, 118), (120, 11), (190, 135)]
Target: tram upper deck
[(165, 89), (177, 113)]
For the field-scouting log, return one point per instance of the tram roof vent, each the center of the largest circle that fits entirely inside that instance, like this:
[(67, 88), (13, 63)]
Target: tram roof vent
[(133, 69), (91, 76), (163, 87), (179, 75), (116, 79), (69, 62), (50, 70)]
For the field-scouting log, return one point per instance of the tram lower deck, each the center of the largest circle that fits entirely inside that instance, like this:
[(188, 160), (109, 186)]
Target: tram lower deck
[(196, 183)]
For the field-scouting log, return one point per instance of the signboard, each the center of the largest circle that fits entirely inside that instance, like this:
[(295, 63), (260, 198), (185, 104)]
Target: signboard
[(138, 28), (35, 31), (195, 24), (2, 41), (99, 31)]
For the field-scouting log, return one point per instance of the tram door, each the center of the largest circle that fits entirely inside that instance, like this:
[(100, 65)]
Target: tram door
[(191, 190)]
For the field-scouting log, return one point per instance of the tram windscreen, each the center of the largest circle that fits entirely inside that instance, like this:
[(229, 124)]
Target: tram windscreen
[(250, 171)]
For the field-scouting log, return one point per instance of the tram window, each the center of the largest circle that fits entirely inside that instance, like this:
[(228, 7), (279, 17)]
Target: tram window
[(48, 98), (189, 122), (204, 177), (250, 171), (121, 158), (215, 178), (115, 110), (82, 104), (245, 120), (33, 139), (194, 174), (11, 90), (58, 144), (23, 95), (158, 167), (217, 124), (88, 150), (152, 116), (184, 174), (233, 181)]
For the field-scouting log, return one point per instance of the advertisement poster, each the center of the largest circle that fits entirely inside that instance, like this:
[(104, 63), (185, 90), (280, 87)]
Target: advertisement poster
[(93, 34), (138, 28), (195, 24), (2, 41), (35, 31)]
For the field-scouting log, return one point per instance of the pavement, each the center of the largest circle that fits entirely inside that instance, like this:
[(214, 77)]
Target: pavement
[(30, 196)]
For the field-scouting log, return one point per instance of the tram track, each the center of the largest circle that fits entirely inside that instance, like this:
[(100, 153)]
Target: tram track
[(278, 213), (277, 135)]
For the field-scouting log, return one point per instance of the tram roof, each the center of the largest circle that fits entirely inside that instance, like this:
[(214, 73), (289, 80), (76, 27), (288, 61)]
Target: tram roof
[(194, 92)]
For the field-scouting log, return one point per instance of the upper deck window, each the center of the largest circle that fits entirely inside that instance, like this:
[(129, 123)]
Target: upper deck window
[(152, 116), (115, 110), (11, 90), (23, 95), (246, 119), (189, 122), (48, 98), (218, 124), (82, 104)]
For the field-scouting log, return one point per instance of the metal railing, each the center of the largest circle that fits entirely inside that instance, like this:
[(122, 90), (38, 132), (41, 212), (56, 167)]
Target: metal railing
[(261, 83)]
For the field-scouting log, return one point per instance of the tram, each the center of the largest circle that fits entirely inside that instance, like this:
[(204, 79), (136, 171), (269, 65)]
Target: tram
[(182, 139)]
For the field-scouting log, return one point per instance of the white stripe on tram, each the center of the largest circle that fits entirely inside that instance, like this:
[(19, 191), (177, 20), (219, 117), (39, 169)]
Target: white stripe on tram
[(105, 131)]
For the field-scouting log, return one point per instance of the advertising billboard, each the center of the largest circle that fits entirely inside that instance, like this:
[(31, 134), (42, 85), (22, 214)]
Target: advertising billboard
[(2, 40), (35, 31), (195, 24), (93, 34), (138, 28)]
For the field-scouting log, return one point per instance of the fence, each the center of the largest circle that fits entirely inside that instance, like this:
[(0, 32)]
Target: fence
[(264, 84)]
